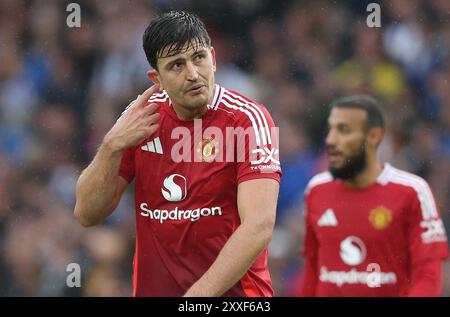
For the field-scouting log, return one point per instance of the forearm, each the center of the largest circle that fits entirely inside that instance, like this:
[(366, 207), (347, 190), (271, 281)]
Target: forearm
[(97, 185), (234, 260), (426, 279)]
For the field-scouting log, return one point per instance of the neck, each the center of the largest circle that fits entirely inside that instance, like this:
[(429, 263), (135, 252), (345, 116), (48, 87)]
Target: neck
[(191, 114), (368, 176)]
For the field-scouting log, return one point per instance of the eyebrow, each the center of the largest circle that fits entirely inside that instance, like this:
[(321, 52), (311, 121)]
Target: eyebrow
[(339, 124), (181, 59)]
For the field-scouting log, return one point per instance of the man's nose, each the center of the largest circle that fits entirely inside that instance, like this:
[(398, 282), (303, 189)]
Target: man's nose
[(192, 72), (330, 139)]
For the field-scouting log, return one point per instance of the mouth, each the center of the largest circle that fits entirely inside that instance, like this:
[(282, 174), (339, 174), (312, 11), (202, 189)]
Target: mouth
[(196, 89), (334, 155)]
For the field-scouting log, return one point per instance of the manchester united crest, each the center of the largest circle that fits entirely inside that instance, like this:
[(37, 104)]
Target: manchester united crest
[(207, 149), (380, 217)]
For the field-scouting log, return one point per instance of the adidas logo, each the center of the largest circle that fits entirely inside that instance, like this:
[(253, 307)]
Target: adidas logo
[(153, 146), (328, 219)]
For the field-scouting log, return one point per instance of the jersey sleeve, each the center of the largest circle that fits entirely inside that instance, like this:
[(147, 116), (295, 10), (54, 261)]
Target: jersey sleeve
[(310, 244), (426, 279), (426, 232), (257, 146), (310, 251), (127, 166)]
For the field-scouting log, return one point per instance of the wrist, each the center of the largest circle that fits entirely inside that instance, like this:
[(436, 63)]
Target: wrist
[(110, 147)]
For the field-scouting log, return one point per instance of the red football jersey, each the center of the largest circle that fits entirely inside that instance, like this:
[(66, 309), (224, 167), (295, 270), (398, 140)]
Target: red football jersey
[(186, 177), (364, 241)]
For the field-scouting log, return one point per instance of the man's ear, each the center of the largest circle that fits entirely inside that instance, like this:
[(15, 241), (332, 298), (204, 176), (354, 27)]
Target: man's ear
[(213, 55), (376, 135), (153, 75)]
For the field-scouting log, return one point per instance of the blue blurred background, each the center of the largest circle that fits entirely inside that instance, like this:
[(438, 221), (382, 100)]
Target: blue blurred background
[(62, 88)]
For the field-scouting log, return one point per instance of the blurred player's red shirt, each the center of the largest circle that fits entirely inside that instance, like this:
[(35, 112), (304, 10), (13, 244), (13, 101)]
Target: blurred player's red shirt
[(383, 228), (186, 211)]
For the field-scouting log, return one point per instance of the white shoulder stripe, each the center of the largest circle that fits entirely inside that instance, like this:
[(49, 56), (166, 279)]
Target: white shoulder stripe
[(162, 94), (255, 114), (321, 178), (217, 91), (424, 205), (265, 124), (258, 138), (161, 97), (219, 98), (157, 100), (420, 186)]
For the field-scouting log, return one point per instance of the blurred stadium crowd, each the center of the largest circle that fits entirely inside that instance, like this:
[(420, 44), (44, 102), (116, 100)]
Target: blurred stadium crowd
[(61, 89)]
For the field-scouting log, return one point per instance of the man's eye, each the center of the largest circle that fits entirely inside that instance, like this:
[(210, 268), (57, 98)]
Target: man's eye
[(199, 57), (344, 129), (176, 66)]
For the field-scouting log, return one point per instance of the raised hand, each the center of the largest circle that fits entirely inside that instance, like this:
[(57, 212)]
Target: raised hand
[(136, 123)]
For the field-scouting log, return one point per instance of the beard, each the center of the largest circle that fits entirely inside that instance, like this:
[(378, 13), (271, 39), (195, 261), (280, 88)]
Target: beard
[(352, 167), (198, 101)]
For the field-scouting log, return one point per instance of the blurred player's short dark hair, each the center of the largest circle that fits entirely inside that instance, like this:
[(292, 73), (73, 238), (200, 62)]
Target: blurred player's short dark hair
[(168, 33), (370, 105)]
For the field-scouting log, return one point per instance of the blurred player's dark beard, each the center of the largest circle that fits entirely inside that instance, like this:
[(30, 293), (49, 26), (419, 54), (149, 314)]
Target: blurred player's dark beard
[(352, 167)]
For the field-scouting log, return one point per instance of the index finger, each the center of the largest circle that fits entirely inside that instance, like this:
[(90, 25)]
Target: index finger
[(145, 96)]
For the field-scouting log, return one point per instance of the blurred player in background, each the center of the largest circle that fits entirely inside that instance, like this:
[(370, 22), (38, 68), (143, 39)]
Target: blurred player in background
[(203, 223), (371, 229)]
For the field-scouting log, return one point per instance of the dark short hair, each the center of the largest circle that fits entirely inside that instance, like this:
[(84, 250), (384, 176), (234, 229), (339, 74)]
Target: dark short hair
[(169, 32), (370, 105)]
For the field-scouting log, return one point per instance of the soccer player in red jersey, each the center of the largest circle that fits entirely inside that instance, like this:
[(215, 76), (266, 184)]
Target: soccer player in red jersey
[(205, 164), (371, 229)]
